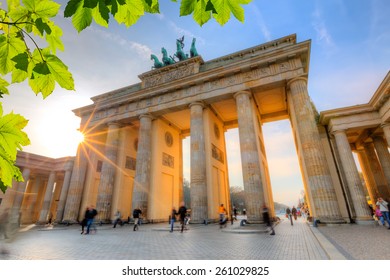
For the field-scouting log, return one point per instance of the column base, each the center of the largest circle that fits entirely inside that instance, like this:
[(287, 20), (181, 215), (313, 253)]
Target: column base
[(365, 221), (329, 220)]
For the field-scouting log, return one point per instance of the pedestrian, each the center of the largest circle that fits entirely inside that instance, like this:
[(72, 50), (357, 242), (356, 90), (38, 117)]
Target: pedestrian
[(379, 215), (90, 215), (244, 211), (182, 215), (235, 212), (267, 219), (384, 208), (118, 219), (294, 212), (288, 215), (137, 216), (84, 221), (222, 216), (173, 218)]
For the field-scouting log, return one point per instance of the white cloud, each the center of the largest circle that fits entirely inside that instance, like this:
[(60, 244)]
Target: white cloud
[(324, 38), (261, 23)]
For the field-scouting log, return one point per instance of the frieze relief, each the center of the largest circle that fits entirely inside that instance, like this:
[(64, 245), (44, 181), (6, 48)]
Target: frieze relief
[(168, 76), (218, 83)]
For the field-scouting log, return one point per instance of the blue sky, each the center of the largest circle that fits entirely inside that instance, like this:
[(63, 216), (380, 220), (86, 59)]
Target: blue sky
[(350, 56)]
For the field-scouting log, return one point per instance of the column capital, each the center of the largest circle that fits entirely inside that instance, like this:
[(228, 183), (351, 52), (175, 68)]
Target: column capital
[(199, 103), (290, 82), (146, 116), (114, 124), (246, 92), (338, 131)]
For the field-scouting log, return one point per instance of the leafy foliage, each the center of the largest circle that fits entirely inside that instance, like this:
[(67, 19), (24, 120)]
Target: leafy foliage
[(11, 138)]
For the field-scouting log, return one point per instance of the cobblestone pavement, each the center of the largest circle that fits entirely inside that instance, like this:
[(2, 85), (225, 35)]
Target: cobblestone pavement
[(359, 242), (154, 241)]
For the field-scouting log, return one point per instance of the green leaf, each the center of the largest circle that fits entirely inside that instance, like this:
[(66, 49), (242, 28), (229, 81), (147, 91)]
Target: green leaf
[(42, 26), (82, 18), (60, 72), (101, 14), (90, 3), (54, 38), (12, 137), (10, 46), (225, 7), (201, 16), (187, 7), (47, 9), (8, 171), (3, 87), (21, 61), (130, 13), (151, 6), (71, 7)]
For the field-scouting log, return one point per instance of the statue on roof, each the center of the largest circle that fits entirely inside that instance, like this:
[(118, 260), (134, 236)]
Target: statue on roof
[(193, 51), (179, 50), (166, 59), (157, 63)]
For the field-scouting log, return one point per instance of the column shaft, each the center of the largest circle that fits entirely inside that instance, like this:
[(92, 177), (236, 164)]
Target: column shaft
[(43, 216), (367, 174), (107, 176), (76, 187), (199, 204), (64, 191), (251, 169), (315, 165), (376, 170), (141, 187), (354, 183), (384, 157), (386, 131)]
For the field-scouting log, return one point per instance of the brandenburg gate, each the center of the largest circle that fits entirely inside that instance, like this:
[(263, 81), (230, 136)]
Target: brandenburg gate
[(132, 153)]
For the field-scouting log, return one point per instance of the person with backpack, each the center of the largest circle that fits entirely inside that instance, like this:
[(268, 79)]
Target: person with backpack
[(137, 216)]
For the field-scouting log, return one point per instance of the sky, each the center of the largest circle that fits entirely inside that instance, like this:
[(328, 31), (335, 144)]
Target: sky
[(350, 56)]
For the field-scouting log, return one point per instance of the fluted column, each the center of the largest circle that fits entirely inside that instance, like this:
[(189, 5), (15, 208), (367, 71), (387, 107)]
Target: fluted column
[(43, 216), (386, 131), (316, 167), (376, 170), (251, 170), (64, 191), (107, 176), (199, 205), (143, 165), (367, 174), (76, 187), (383, 156), (351, 172), (21, 190)]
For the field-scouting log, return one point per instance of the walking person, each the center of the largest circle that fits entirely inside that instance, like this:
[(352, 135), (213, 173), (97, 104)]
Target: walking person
[(90, 215), (118, 219), (288, 214), (137, 216), (384, 208), (182, 216), (267, 219), (235, 212), (84, 221), (173, 218), (222, 216), (294, 212)]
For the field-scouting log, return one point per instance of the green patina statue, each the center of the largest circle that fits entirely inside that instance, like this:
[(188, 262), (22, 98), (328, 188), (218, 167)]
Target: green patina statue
[(180, 54), (166, 59), (193, 51), (157, 63)]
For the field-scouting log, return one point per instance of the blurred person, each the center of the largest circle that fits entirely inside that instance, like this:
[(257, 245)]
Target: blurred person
[(267, 219), (384, 208)]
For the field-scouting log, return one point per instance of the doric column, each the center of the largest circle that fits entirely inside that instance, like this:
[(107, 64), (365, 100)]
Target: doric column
[(21, 190), (199, 205), (43, 216), (367, 174), (376, 170), (107, 176), (64, 190), (143, 165), (354, 184), (316, 167), (76, 187), (383, 156), (386, 131), (251, 170)]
